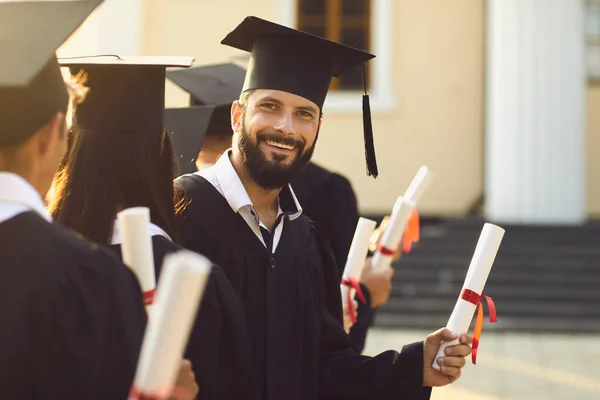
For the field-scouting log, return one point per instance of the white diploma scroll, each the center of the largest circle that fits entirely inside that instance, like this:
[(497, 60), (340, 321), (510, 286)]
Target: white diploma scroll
[(136, 248), (418, 185), (180, 290), (403, 208), (477, 275), (392, 235), (357, 254)]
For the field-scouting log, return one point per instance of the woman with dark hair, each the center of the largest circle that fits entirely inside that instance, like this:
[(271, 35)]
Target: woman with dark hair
[(121, 157)]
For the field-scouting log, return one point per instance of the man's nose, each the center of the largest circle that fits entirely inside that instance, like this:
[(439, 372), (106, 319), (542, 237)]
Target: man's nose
[(285, 123)]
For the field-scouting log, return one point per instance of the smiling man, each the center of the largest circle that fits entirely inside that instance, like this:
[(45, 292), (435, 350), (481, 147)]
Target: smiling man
[(243, 214)]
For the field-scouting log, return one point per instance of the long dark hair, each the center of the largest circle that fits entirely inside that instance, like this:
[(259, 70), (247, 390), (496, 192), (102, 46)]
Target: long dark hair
[(105, 171)]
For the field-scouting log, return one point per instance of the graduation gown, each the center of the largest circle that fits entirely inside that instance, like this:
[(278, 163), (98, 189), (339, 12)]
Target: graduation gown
[(218, 347), (72, 316), (327, 198), (293, 307)]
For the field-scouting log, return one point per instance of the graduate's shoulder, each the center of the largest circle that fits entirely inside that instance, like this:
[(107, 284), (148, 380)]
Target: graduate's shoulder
[(49, 257), (188, 183), (84, 257)]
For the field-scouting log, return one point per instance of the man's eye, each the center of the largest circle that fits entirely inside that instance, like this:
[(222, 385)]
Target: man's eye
[(269, 106), (305, 114)]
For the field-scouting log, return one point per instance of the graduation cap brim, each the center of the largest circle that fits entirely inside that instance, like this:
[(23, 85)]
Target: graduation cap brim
[(35, 30), (216, 84), (115, 60), (125, 93), (187, 127), (32, 89)]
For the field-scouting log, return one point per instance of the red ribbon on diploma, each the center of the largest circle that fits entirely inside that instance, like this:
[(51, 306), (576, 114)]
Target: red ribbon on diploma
[(411, 235), (475, 298), (149, 296), (412, 231), (136, 394), (352, 283), (384, 250), (177, 392)]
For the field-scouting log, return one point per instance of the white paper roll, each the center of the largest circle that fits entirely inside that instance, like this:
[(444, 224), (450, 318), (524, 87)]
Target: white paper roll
[(391, 237), (357, 253), (479, 270), (417, 186), (180, 290), (136, 245)]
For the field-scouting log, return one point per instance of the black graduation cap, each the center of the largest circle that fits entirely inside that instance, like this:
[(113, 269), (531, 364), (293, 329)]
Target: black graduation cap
[(299, 63), (218, 85), (32, 88), (187, 127), (212, 89), (126, 94)]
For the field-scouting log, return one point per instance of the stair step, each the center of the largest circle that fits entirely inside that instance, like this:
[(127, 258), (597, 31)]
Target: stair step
[(509, 307)]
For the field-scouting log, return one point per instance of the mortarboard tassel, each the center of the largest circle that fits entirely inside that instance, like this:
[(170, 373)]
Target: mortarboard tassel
[(368, 132)]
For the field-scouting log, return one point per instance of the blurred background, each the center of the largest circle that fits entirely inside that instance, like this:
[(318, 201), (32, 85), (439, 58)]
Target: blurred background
[(501, 99)]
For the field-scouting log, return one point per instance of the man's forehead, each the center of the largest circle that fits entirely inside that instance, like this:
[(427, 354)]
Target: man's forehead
[(286, 98)]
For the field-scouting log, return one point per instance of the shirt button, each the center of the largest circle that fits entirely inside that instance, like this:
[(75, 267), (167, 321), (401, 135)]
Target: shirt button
[(272, 261)]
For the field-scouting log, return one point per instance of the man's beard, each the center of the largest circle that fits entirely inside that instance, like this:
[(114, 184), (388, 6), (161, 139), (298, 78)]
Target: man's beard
[(272, 174)]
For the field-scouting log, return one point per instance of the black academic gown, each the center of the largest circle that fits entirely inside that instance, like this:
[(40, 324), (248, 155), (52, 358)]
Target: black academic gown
[(218, 346), (293, 307), (72, 317), (329, 200)]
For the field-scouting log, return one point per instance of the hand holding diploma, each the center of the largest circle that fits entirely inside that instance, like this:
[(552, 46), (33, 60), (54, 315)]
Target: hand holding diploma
[(180, 290), (453, 361), (404, 223), (472, 291), (354, 265)]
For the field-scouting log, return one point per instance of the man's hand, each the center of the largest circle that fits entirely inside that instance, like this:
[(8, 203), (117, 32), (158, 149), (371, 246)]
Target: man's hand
[(186, 387), (451, 364), (379, 284), (377, 235), (347, 320)]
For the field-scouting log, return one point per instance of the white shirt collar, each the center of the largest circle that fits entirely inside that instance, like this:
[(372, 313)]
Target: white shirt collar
[(236, 195), (16, 190), (154, 230)]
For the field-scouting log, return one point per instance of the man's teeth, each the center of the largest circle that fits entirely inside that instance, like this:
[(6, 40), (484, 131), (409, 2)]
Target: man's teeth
[(280, 145)]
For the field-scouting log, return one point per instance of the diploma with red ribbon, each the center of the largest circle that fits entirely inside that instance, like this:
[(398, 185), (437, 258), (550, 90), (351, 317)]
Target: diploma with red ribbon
[(136, 248), (404, 222), (182, 283), (471, 295), (354, 264)]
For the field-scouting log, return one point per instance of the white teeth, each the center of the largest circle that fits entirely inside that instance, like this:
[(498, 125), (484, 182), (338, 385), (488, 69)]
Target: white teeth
[(280, 145)]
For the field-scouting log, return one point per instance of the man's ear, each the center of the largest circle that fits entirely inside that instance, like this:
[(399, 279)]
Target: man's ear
[(50, 133), (236, 116)]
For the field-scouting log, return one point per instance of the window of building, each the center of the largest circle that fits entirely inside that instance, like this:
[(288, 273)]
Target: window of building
[(343, 21)]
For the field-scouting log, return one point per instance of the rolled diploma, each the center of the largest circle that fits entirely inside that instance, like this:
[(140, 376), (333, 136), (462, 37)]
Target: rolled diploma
[(479, 270), (136, 246), (357, 253), (180, 290), (417, 186), (393, 233)]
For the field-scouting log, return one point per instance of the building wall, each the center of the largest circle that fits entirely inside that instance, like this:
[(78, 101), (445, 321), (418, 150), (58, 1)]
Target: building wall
[(438, 78)]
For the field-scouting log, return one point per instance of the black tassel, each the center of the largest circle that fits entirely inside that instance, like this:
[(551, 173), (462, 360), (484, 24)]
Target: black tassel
[(368, 132)]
